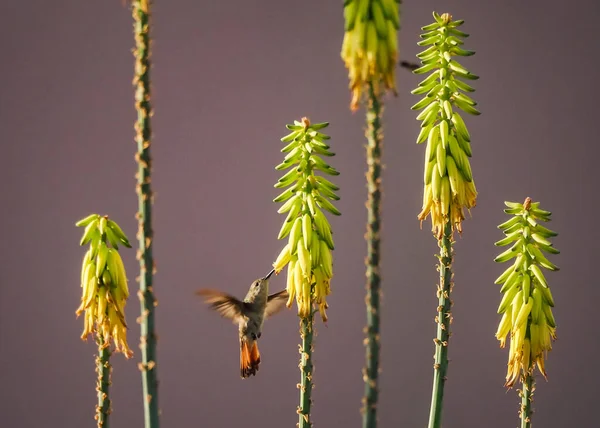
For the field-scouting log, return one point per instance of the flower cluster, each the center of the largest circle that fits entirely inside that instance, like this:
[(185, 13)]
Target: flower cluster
[(370, 46), (448, 180), (104, 282), (527, 302), (310, 241)]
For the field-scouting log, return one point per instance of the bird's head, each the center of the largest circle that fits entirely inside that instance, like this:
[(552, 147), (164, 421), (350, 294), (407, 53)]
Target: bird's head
[(261, 283)]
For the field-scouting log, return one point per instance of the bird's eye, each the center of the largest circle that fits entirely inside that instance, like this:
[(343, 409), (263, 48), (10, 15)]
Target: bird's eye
[(253, 336)]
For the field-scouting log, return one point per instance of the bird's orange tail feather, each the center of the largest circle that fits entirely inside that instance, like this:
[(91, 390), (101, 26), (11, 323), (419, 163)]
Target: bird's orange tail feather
[(249, 358)]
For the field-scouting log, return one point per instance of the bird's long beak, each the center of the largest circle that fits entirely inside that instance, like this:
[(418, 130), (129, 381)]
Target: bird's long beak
[(269, 274)]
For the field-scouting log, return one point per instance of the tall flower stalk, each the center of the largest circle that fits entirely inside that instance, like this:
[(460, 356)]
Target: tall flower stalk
[(103, 371), (448, 181), (307, 253), (104, 295), (527, 302), (373, 286), (370, 53), (141, 17)]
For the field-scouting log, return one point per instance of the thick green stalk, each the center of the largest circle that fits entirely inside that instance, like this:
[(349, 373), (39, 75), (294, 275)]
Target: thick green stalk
[(371, 372), (306, 371), (103, 370), (443, 321), (526, 399), (141, 15)]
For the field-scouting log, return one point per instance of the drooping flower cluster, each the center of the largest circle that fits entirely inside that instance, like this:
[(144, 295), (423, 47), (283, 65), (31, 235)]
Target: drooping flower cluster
[(310, 242), (527, 302), (448, 180), (104, 283), (370, 46)]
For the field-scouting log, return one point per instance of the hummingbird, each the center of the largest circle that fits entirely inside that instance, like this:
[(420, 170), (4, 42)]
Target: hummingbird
[(249, 315)]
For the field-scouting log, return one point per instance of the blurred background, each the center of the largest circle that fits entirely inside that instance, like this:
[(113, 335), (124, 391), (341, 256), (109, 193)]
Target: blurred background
[(227, 77)]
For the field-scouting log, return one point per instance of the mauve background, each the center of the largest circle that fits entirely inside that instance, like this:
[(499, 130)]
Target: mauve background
[(227, 76)]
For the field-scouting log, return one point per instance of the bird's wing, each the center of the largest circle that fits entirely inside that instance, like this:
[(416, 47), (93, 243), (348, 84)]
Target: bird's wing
[(275, 303), (225, 304)]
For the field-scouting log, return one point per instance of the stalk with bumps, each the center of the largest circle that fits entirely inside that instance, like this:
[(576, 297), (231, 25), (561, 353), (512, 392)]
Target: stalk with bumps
[(370, 53), (448, 180), (104, 295), (372, 261), (307, 253), (527, 302), (145, 235), (370, 45)]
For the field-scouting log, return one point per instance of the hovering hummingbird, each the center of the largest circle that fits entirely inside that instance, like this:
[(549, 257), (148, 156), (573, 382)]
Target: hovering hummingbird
[(249, 314)]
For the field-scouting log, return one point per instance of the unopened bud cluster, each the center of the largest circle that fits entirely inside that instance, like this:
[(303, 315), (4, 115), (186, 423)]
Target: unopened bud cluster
[(104, 282), (310, 242), (527, 302)]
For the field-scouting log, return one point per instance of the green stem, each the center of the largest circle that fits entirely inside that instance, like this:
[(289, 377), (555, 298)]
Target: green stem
[(141, 16), (371, 372), (443, 321), (526, 378), (103, 370), (306, 371), (526, 399)]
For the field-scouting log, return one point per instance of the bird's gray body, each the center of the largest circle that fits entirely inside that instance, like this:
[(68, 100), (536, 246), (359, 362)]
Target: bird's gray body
[(253, 314)]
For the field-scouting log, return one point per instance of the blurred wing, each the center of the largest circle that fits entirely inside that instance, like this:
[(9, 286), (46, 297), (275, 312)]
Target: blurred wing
[(275, 303), (225, 304)]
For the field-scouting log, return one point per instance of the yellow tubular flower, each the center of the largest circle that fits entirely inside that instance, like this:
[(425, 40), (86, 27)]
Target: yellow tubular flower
[(104, 284), (370, 45), (527, 303), (448, 181), (308, 250)]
